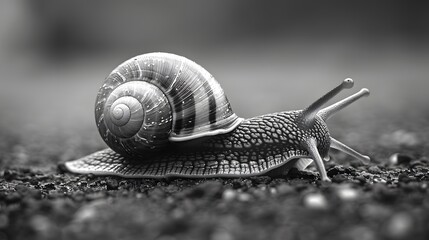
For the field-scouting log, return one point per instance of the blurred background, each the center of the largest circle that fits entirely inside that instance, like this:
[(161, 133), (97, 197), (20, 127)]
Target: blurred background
[(268, 57)]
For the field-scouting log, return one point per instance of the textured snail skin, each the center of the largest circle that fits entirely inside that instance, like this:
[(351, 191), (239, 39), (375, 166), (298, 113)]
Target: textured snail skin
[(255, 147), (163, 115)]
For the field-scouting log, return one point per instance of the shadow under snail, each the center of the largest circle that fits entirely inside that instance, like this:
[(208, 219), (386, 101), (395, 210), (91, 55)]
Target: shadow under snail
[(163, 115)]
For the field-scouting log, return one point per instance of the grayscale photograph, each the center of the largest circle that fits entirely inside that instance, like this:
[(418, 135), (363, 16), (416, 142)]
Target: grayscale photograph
[(218, 120)]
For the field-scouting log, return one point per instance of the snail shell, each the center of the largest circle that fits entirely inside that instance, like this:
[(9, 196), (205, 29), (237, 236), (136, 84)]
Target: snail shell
[(155, 98)]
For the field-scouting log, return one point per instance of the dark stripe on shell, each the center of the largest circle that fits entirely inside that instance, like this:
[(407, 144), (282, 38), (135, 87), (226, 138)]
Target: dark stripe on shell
[(190, 110), (177, 108), (212, 110)]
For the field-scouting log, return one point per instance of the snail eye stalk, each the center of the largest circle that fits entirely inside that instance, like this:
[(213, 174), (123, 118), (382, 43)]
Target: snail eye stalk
[(329, 111), (310, 112)]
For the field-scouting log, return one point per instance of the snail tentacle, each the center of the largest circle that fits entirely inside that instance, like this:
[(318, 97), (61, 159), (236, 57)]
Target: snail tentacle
[(348, 150), (311, 144)]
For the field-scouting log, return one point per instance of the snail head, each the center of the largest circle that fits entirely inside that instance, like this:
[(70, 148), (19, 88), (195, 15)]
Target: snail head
[(316, 113)]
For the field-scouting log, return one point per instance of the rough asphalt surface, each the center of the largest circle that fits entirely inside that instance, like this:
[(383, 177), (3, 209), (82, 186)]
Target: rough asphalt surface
[(386, 199)]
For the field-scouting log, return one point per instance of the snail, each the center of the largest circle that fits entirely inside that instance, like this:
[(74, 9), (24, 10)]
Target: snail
[(163, 115)]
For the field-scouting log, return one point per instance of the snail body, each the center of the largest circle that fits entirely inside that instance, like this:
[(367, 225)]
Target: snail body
[(163, 115)]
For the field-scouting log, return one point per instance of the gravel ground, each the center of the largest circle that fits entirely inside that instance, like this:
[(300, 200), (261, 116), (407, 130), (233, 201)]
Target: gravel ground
[(386, 199), (365, 202)]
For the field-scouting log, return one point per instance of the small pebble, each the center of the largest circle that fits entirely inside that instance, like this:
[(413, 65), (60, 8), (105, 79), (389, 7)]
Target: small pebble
[(34, 182), (82, 183), (259, 193), (112, 184), (139, 195), (361, 179), (404, 177), (242, 183), (172, 188), (229, 195), (399, 159), (285, 189), (89, 211), (49, 186), (374, 170), (124, 184), (379, 180), (339, 178), (236, 183), (346, 193), (338, 169), (9, 175), (246, 183), (315, 201), (244, 197), (399, 226)]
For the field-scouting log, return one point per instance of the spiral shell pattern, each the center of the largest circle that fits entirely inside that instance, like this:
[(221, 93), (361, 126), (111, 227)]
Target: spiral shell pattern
[(155, 98)]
